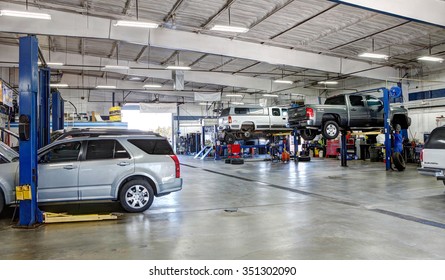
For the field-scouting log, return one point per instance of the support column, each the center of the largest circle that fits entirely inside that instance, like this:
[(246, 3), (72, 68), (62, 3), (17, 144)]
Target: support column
[(28, 88), (44, 92), (57, 111), (344, 150)]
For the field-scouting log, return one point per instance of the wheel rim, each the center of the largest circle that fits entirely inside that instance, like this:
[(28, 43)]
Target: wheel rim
[(331, 130), (137, 196)]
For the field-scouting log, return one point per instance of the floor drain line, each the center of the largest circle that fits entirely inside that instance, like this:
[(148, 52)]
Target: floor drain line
[(409, 218), (331, 199)]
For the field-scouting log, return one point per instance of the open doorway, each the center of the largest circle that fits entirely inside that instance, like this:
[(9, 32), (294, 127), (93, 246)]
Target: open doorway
[(157, 122)]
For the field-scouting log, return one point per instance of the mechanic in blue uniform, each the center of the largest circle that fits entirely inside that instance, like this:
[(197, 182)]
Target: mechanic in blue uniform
[(398, 140)]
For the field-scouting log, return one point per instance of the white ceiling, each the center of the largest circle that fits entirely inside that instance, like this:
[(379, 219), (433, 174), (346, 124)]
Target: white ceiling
[(305, 41)]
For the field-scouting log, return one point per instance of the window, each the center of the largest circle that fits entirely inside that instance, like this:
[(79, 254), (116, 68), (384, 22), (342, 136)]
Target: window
[(225, 112), (152, 146), (61, 153), (275, 112), (336, 100), (105, 149), (356, 100), (373, 101), (256, 111), (241, 111), (284, 111), (436, 139)]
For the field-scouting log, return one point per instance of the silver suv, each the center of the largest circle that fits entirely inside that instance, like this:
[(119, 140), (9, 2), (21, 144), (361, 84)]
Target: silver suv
[(432, 157), (132, 169)]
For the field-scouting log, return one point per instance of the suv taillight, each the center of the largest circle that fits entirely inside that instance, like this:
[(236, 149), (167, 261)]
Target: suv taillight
[(309, 112), (421, 155), (229, 119), (178, 170)]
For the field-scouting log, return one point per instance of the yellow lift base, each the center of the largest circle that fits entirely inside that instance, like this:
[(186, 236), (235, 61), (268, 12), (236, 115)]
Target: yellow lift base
[(49, 218)]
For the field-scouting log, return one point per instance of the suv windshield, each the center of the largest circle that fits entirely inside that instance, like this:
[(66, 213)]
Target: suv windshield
[(8, 153)]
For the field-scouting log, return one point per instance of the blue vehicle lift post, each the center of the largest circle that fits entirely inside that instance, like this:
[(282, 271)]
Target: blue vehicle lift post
[(394, 92), (30, 214), (44, 93), (57, 111)]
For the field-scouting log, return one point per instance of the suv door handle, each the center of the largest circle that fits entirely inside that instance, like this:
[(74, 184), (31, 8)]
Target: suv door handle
[(353, 109), (123, 163), (69, 167)]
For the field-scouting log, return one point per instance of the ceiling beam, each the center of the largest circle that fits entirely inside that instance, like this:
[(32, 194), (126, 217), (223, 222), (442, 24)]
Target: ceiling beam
[(73, 62), (198, 60), (369, 35), (303, 21), (69, 24), (215, 16), (174, 9), (126, 7), (175, 53)]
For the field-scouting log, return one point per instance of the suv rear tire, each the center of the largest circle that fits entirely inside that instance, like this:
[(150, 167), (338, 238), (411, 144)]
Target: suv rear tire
[(136, 196)]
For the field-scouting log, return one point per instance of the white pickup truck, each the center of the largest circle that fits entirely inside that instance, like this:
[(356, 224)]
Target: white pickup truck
[(247, 121), (432, 157)]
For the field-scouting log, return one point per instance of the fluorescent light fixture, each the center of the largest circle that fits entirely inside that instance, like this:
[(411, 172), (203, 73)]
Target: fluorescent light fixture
[(328, 82), (228, 28), (139, 24), (175, 67), (283, 82), (237, 103), (152, 86), (203, 104), (52, 63), (105, 87), (24, 14), (234, 95), (58, 85), (270, 95), (431, 58), (374, 55), (116, 67), (135, 78)]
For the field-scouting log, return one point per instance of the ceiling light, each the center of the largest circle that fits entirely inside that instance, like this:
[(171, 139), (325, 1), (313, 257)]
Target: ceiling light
[(58, 85), (175, 67), (237, 103), (229, 28), (374, 55), (152, 86), (234, 95), (431, 58), (203, 104), (283, 82), (24, 14), (270, 95), (328, 82), (105, 87), (140, 24), (135, 78), (54, 63), (116, 67)]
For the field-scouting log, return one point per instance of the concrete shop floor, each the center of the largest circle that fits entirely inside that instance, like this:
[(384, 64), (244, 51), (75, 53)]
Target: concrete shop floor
[(259, 210)]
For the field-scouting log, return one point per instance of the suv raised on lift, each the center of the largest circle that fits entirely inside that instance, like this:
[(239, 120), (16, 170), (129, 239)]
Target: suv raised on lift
[(432, 157), (132, 169)]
